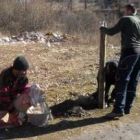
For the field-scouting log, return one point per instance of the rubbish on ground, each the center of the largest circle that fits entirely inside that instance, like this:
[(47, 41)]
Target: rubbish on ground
[(50, 39)]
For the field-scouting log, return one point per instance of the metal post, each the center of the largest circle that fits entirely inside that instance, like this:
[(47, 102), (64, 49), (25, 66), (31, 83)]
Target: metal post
[(101, 69)]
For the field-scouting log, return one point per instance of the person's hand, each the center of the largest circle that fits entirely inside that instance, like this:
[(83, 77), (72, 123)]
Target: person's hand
[(102, 28)]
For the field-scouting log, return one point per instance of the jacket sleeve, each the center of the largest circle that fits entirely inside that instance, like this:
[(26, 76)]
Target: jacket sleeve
[(116, 29), (5, 99), (4, 94), (24, 86), (25, 89)]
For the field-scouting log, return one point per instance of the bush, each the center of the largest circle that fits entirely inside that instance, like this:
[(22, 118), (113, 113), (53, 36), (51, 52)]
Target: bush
[(39, 15)]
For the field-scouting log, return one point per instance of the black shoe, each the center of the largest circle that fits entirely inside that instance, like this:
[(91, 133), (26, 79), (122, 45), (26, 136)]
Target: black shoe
[(127, 111), (113, 115), (111, 101)]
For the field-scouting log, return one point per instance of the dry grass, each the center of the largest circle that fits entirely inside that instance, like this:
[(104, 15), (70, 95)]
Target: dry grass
[(51, 16), (61, 70)]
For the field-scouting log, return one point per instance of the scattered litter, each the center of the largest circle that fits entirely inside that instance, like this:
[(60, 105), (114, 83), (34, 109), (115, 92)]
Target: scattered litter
[(50, 39)]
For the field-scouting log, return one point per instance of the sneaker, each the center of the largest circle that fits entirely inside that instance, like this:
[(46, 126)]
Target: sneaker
[(114, 115)]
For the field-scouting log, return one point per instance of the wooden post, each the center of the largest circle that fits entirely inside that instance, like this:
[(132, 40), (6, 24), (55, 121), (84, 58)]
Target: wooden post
[(101, 69)]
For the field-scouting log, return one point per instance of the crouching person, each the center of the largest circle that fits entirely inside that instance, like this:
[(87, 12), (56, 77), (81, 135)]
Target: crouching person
[(110, 74), (14, 93)]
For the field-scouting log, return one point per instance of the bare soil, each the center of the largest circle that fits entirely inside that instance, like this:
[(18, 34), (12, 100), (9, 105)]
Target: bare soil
[(61, 72)]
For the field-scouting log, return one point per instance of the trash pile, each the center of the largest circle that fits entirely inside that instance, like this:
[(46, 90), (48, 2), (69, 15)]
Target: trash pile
[(50, 39)]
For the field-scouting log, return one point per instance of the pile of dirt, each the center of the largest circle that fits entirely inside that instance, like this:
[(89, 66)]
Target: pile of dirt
[(75, 108)]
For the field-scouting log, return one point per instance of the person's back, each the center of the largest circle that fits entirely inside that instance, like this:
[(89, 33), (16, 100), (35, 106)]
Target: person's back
[(129, 27), (130, 31)]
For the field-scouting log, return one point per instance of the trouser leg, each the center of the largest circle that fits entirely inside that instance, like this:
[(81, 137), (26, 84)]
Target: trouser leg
[(132, 87), (123, 76)]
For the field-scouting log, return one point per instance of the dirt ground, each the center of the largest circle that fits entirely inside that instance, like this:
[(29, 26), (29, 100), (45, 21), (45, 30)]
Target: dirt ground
[(61, 72)]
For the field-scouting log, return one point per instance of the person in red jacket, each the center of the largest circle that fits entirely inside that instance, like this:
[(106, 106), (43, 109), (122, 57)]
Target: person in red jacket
[(14, 92)]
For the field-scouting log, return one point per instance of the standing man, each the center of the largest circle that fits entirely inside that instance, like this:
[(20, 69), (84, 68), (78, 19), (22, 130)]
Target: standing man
[(129, 64)]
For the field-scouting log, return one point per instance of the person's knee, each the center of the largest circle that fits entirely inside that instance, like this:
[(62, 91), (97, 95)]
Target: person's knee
[(22, 103)]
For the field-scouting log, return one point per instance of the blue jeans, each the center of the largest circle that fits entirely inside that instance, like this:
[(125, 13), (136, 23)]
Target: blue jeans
[(126, 82)]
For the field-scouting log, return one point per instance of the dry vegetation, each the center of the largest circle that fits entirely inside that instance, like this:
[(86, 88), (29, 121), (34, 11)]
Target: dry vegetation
[(49, 16), (60, 70)]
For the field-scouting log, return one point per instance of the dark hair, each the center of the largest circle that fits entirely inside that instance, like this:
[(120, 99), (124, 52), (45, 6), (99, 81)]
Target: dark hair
[(132, 8)]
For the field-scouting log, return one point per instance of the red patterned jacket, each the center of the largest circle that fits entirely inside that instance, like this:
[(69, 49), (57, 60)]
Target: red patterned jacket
[(10, 88)]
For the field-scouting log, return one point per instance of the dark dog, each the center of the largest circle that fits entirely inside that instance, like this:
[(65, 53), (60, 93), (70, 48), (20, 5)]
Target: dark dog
[(90, 102), (110, 72)]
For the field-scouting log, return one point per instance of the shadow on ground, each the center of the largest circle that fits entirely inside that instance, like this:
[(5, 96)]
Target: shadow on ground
[(60, 110), (28, 130)]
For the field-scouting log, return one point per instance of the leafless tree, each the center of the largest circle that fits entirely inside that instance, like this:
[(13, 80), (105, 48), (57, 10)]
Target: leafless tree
[(85, 4), (70, 3), (26, 3)]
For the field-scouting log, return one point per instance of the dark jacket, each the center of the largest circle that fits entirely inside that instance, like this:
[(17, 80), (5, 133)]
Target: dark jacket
[(11, 87), (129, 26)]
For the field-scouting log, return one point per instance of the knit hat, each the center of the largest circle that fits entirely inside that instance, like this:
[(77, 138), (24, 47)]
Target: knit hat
[(20, 63)]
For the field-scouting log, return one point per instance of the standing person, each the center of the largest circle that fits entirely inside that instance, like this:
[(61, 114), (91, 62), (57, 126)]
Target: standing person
[(129, 64), (14, 92)]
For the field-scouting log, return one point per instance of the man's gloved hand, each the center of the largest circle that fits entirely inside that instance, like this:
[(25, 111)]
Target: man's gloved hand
[(102, 28)]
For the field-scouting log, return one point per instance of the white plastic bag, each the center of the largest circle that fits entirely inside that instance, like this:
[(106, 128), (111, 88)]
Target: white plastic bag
[(36, 94), (39, 115)]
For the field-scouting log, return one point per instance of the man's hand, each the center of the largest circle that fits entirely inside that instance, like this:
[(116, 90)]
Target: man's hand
[(102, 28)]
